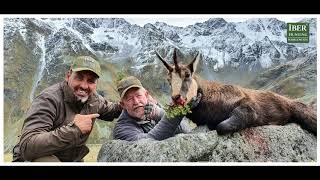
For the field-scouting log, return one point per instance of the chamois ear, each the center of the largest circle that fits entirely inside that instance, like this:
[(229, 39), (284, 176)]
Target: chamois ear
[(193, 64), (164, 62)]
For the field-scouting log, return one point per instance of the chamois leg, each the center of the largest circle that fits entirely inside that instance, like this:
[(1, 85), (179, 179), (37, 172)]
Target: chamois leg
[(305, 116), (241, 117), (230, 125)]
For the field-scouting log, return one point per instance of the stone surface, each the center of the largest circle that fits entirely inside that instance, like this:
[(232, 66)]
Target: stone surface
[(271, 143)]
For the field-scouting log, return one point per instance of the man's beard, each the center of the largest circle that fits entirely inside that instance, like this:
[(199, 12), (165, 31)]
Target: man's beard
[(137, 112), (82, 99), (84, 93)]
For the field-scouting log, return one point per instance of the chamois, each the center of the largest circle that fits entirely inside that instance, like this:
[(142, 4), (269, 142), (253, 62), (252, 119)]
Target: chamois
[(230, 108)]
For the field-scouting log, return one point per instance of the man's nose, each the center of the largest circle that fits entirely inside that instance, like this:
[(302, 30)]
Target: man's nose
[(135, 100), (84, 85)]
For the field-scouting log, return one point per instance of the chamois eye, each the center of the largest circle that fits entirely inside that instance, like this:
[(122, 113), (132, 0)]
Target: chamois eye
[(187, 75)]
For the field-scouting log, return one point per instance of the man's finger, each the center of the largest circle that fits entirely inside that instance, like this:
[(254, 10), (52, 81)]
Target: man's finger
[(92, 116)]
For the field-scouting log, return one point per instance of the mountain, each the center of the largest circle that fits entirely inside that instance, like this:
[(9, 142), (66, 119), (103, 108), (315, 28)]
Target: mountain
[(38, 52)]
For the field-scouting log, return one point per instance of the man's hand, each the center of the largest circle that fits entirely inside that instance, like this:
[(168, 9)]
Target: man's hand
[(84, 122), (151, 110)]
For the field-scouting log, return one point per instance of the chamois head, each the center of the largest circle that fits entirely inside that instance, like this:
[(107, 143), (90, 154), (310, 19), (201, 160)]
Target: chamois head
[(180, 77)]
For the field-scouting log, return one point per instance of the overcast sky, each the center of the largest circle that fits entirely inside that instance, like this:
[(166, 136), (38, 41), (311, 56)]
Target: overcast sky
[(189, 20)]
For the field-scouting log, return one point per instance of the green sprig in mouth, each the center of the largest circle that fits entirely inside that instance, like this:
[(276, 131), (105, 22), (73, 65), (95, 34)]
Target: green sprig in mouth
[(173, 111)]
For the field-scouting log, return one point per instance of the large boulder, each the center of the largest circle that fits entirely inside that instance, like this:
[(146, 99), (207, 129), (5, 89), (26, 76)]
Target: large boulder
[(270, 143)]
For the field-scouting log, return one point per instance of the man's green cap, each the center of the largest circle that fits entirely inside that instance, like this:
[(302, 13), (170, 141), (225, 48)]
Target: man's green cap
[(127, 83), (83, 63)]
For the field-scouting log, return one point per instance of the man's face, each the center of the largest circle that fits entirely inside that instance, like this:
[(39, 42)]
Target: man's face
[(134, 101), (82, 83)]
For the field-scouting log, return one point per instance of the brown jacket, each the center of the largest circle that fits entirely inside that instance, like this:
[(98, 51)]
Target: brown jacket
[(48, 127)]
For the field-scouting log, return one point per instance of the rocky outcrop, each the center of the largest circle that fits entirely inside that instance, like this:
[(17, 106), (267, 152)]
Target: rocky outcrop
[(271, 143)]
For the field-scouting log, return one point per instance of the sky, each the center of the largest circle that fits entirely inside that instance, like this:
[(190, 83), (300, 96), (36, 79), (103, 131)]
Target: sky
[(183, 21)]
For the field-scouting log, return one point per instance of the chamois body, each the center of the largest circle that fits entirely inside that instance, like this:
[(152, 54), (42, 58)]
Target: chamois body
[(250, 107), (230, 108)]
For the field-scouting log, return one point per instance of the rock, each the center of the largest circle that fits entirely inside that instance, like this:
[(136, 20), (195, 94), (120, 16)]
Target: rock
[(270, 143)]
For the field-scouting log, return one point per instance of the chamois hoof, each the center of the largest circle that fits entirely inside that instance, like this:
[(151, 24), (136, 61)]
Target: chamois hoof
[(223, 129)]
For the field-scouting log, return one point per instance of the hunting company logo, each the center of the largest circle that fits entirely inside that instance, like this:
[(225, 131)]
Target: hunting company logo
[(297, 32)]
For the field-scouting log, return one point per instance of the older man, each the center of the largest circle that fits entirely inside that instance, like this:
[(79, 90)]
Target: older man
[(60, 119), (137, 121)]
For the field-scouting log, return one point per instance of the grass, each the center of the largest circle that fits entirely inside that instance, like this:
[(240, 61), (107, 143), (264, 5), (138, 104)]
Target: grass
[(291, 88), (7, 157), (91, 157), (93, 154)]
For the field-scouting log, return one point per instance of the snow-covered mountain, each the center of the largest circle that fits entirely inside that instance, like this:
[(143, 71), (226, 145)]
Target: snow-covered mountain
[(252, 44), (255, 44)]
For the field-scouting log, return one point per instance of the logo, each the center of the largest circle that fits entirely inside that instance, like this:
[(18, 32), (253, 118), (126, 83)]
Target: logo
[(297, 32)]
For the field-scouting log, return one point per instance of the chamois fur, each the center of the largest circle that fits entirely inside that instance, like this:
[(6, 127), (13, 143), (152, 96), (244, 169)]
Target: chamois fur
[(230, 108)]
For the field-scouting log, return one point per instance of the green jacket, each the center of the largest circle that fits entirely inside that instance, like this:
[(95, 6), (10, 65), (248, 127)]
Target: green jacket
[(48, 127)]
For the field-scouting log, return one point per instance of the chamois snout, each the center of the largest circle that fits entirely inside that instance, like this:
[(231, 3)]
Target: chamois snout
[(178, 99)]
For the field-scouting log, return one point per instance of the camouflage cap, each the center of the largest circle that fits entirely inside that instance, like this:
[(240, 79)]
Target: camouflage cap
[(127, 83), (82, 63)]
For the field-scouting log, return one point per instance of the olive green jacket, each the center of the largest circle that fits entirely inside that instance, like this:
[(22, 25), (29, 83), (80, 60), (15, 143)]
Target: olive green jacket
[(48, 127)]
